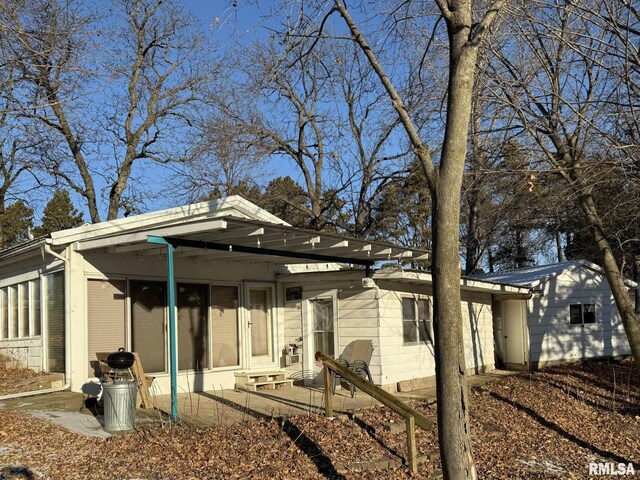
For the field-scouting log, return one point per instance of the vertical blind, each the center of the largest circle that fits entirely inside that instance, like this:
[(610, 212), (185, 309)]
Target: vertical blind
[(224, 325)]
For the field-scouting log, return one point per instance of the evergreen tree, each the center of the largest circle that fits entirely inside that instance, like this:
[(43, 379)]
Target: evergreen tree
[(16, 222), (59, 214)]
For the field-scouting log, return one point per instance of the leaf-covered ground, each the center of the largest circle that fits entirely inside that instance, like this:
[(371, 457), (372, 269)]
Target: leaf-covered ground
[(550, 424), (16, 380)]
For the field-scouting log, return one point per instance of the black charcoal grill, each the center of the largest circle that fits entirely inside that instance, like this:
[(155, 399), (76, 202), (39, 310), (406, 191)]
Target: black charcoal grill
[(120, 363)]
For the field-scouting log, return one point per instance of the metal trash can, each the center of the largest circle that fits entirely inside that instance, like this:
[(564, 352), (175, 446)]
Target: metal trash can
[(119, 401)]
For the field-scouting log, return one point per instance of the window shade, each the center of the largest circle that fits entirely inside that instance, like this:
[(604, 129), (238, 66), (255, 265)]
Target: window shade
[(148, 300), (224, 325), (106, 318), (192, 327)]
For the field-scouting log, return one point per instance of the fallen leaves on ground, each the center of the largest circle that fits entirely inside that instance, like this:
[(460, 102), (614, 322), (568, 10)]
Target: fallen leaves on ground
[(549, 424), (16, 380)]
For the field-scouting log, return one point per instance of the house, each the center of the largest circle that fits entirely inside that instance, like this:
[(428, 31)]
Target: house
[(570, 316), (251, 293), (392, 307)]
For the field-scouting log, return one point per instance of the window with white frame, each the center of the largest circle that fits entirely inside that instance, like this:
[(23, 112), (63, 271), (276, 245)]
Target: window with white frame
[(20, 310), (417, 325), (582, 313)]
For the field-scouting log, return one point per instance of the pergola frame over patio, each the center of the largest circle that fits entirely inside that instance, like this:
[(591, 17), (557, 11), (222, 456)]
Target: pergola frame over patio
[(237, 239)]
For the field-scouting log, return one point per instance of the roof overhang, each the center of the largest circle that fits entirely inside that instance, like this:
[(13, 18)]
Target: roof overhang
[(250, 240), (467, 284)]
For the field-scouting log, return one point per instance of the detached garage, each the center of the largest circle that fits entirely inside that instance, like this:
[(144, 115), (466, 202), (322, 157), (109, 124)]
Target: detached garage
[(570, 316)]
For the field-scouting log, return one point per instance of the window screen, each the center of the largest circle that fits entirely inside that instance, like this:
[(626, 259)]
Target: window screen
[(55, 322), (425, 325), (23, 294), (13, 311), (589, 313), (409, 326), (417, 325), (580, 314), (4, 313), (259, 311), (36, 322), (575, 314)]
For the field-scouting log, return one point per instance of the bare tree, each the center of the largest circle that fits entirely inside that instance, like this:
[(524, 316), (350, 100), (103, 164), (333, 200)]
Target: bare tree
[(549, 71), (147, 80), (16, 145), (465, 35)]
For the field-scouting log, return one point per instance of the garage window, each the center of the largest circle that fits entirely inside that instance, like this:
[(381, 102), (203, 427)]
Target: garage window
[(582, 313)]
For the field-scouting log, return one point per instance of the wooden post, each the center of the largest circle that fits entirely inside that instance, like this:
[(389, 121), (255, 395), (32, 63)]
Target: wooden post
[(328, 392), (412, 454)]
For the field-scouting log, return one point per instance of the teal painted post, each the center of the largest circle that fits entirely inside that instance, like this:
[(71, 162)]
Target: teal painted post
[(171, 295), (172, 333)]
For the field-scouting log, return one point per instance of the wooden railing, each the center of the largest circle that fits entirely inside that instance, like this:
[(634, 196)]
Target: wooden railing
[(412, 417)]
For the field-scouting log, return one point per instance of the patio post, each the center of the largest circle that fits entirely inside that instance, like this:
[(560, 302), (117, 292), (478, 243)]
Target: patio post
[(171, 297), (328, 393)]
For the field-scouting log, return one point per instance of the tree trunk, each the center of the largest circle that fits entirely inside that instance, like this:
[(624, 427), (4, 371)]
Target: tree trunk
[(558, 236), (636, 278), (452, 393), (445, 185), (614, 276)]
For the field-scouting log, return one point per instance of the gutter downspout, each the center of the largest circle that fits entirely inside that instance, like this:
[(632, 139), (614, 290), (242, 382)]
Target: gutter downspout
[(67, 314)]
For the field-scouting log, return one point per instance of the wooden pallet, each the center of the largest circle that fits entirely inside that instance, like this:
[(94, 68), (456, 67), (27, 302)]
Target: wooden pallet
[(250, 381)]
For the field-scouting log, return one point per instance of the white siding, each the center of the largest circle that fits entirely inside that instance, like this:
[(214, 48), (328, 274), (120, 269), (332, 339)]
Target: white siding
[(292, 318), (407, 362), (553, 338), (358, 320)]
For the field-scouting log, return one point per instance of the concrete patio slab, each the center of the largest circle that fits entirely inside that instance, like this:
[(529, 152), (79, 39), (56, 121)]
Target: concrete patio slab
[(229, 407), (77, 422)]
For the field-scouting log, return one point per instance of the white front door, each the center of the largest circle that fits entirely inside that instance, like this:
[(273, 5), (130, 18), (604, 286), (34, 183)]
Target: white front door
[(260, 327), (513, 331)]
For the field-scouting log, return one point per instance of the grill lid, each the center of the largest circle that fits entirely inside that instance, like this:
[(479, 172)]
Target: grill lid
[(120, 359)]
